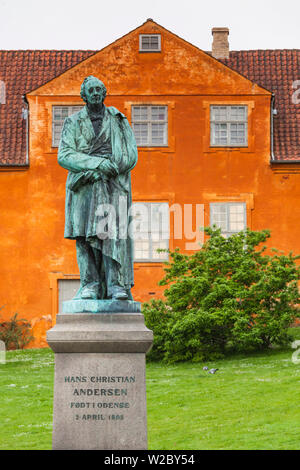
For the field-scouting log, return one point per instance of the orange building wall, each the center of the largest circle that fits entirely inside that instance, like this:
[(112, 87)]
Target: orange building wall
[(34, 254)]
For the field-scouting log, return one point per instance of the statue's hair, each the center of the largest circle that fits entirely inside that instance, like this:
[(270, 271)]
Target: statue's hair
[(84, 83)]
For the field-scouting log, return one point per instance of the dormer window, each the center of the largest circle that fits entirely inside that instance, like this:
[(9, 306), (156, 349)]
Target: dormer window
[(150, 43)]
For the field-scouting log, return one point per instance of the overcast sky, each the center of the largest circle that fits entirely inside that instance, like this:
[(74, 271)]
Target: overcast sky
[(93, 24)]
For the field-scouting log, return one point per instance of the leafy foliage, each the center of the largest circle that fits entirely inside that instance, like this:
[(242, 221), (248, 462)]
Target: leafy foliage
[(15, 332), (229, 296)]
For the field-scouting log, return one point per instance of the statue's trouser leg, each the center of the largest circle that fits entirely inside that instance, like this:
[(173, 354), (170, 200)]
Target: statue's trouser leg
[(113, 274), (88, 263)]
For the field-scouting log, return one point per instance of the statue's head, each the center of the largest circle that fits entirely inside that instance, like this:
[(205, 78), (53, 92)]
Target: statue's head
[(92, 90)]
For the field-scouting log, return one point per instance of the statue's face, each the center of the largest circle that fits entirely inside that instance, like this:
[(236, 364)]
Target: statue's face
[(94, 92)]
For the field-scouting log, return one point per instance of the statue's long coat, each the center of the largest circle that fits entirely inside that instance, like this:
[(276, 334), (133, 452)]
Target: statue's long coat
[(80, 151)]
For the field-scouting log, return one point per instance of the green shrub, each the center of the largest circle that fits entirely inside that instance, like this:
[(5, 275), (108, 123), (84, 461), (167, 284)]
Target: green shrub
[(229, 296), (157, 316), (15, 332)]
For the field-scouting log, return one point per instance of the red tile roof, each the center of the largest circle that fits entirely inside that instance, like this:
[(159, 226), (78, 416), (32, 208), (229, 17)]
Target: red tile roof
[(277, 71), (23, 71)]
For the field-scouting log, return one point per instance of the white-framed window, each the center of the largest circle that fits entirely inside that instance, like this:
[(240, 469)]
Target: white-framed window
[(150, 125), (150, 231), (59, 114), (67, 289), (230, 217), (150, 43), (228, 126)]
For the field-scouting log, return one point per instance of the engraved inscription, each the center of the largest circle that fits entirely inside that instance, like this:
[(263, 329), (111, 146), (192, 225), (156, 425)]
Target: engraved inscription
[(114, 393)]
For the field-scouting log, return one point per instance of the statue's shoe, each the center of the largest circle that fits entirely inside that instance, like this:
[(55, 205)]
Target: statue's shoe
[(89, 293), (119, 293)]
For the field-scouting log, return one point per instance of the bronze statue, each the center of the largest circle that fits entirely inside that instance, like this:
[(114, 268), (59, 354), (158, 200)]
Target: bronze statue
[(98, 148)]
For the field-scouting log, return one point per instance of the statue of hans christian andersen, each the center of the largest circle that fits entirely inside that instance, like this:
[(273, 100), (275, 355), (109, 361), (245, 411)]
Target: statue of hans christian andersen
[(98, 148)]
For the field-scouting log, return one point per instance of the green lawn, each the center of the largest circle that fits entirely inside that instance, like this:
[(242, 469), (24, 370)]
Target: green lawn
[(252, 402)]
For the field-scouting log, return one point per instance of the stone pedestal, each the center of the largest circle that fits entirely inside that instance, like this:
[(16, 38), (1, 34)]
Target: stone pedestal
[(99, 386)]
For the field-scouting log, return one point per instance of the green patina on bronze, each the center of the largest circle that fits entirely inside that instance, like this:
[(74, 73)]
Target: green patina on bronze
[(98, 149)]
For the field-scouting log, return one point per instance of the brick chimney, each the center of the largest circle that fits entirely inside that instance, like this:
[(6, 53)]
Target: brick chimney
[(220, 45)]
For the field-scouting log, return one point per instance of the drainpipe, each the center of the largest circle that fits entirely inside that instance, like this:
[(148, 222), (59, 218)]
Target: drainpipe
[(25, 116), (273, 113)]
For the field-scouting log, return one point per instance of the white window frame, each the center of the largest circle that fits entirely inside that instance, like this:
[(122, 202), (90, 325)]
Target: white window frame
[(71, 110), (147, 236), (142, 49), (71, 290), (225, 206), (228, 122), (150, 124)]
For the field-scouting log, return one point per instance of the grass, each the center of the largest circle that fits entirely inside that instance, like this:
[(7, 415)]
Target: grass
[(252, 402)]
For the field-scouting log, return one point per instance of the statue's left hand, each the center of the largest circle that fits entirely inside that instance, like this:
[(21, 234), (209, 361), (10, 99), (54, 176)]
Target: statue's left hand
[(107, 169), (96, 176)]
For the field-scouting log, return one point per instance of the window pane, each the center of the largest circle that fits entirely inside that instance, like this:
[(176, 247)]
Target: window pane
[(237, 113), (237, 217), (141, 133), (229, 217), (150, 42), (220, 134), (235, 118), (59, 114), (158, 113), (163, 245), (159, 220), (238, 133), (145, 42), (140, 221), (141, 249), (57, 127), (67, 289), (219, 113), (219, 216), (158, 231), (140, 113), (154, 42), (75, 109), (150, 132), (158, 134)]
